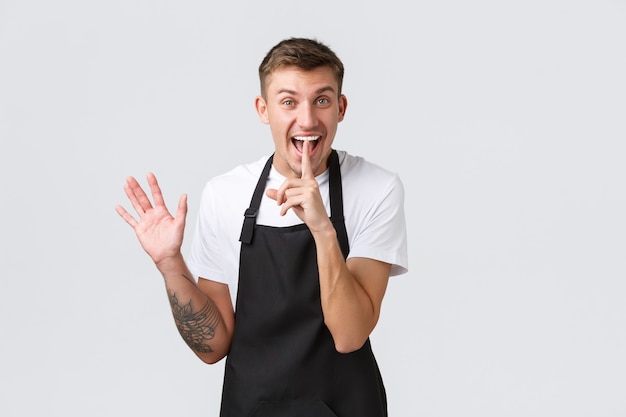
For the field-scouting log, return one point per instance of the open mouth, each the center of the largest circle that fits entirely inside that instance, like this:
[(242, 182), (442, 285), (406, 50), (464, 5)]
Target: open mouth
[(298, 141)]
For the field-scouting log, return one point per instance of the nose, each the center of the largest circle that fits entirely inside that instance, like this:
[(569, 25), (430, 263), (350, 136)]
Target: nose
[(307, 119)]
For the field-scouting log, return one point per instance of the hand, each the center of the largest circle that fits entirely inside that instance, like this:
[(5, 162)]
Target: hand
[(302, 195), (159, 234)]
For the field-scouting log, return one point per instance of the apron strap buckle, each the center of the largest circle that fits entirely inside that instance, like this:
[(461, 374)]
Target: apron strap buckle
[(247, 230)]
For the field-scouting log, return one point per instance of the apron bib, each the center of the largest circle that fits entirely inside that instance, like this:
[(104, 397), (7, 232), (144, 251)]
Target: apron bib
[(282, 361)]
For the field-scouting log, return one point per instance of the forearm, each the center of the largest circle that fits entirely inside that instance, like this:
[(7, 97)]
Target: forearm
[(196, 316), (349, 311)]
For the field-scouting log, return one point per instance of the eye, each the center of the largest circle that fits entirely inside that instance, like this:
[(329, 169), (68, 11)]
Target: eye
[(323, 101), (288, 102)]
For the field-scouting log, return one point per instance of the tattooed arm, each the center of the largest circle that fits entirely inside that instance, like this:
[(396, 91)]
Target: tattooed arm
[(202, 311), (196, 327)]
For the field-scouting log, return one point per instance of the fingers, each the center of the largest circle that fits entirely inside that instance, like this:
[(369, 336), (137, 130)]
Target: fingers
[(157, 196), (272, 193), (126, 216), (307, 171), (280, 195), (181, 211), (137, 196)]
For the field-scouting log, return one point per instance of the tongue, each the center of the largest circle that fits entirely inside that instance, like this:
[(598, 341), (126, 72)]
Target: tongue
[(299, 144)]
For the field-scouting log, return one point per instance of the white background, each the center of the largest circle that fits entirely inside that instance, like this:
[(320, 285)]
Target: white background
[(506, 121)]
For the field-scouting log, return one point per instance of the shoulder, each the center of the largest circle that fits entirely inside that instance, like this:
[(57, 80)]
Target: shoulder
[(229, 193), (241, 175), (374, 212), (238, 182), (356, 171)]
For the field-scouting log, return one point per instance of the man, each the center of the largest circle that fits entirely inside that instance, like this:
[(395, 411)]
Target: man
[(292, 254)]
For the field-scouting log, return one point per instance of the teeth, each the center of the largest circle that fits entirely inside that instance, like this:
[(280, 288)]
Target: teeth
[(307, 138)]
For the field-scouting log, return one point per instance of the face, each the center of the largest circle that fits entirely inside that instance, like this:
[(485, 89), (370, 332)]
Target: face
[(301, 105)]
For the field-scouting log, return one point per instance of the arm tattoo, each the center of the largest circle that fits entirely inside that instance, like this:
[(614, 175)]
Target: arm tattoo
[(196, 328)]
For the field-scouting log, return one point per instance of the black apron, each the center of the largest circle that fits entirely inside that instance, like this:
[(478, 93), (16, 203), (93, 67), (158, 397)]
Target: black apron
[(282, 361)]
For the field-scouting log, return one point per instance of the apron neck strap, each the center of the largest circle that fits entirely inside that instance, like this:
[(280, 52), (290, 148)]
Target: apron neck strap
[(335, 191), (247, 230)]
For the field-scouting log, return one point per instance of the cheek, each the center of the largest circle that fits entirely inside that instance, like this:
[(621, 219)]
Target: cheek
[(281, 123)]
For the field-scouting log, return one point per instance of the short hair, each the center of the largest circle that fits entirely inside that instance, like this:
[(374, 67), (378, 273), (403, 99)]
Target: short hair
[(306, 54)]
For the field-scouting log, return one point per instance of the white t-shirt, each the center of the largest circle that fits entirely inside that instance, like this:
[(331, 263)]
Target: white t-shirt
[(373, 203)]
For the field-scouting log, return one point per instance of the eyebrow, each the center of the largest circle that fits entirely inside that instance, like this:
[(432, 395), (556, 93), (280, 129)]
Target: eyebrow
[(319, 91)]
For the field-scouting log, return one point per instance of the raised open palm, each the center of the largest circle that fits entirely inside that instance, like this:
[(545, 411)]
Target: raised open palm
[(159, 233)]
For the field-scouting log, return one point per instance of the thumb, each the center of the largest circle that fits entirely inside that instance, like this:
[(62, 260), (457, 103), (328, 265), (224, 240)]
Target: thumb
[(272, 193), (181, 211)]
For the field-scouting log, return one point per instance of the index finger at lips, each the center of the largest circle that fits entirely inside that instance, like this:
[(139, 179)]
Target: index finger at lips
[(307, 171)]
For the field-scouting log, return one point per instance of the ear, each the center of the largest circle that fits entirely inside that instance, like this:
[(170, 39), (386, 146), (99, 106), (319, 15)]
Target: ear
[(343, 105), (261, 109)]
